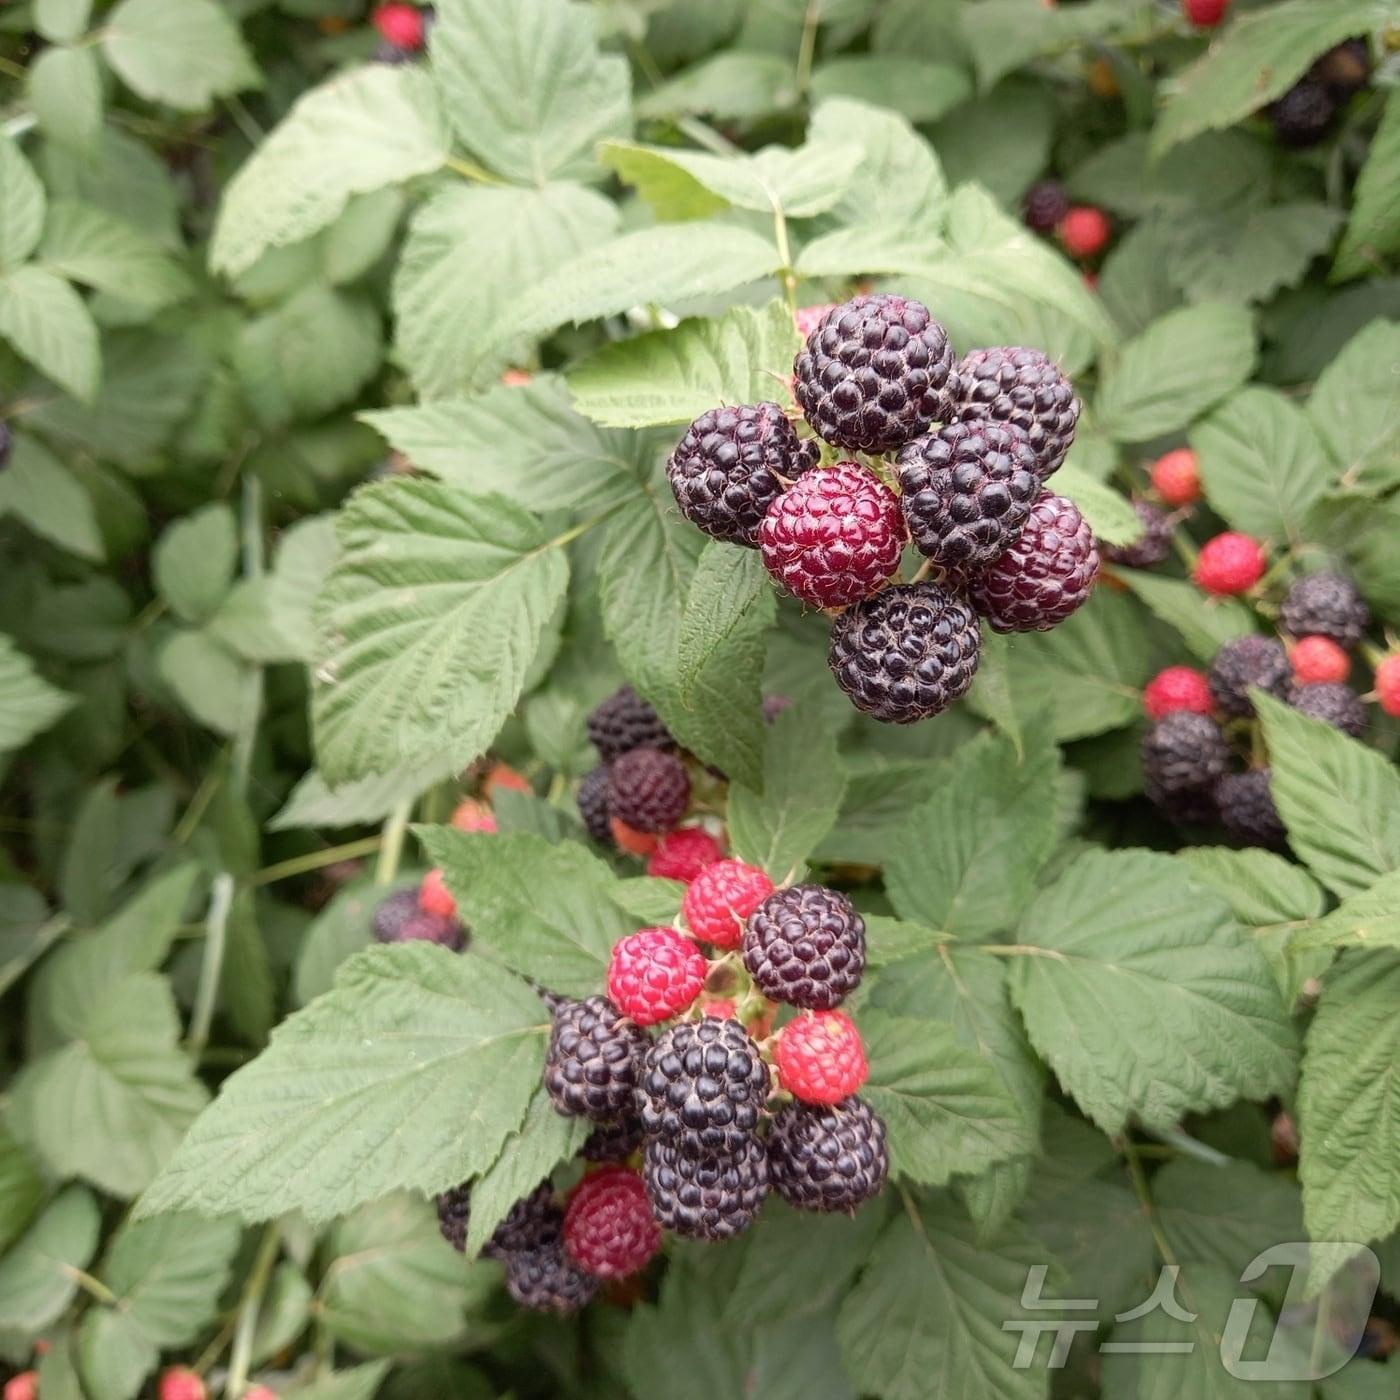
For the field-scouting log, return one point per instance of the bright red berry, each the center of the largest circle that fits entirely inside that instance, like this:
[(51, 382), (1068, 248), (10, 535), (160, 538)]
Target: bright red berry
[(1319, 659), (721, 1008), (1388, 684), (628, 838), (400, 25), (684, 853), (180, 1383), (434, 898), (516, 378), (721, 897), (1204, 14), (654, 973), (260, 1392), (1176, 688), (1176, 477), (609, 1229), (24, 1386), (1084, 231), (472, 815), (834, 537), (502, 775), (820, 1057), (1230, 563)]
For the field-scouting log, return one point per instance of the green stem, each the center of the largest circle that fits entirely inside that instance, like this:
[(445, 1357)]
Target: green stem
[(1373, 654), (391, 843), (1189, 1146), (251, 709), (316, 860), (786, 276), (93, 1286), (706, 136), (1144, 1195), (248, 1310), (212, 965), (43, 940), (470, 170), (807, 49)]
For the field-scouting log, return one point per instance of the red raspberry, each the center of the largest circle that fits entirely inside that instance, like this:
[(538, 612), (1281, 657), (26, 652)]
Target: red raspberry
[(260, 1392), (834, 537), (820, 1057), (628, 838), (1176, 477), (683, 854), (399, 25), (1388, 684), (655, 973), (1176, 688), (516, 378), (180, 1383), (1319, 659), (609, 1229), (1230, 563), (721, 1008), (433, 897), (472, 815), (721, 897), (502, 775), (1204, 14), (24, 1386), (810, 317), (1084, 231)]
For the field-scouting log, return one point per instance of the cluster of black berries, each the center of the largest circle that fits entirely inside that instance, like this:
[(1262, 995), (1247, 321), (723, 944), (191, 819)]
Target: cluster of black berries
[(969, 443), (1305, 114), (1187, 756)]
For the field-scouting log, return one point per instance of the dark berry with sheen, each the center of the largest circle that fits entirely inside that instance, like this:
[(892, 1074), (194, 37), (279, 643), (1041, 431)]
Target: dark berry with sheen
[(907, 653), (874, 373), (1334, 704), (967, 490), (1243, 662), (547, 1280), (1325, 605), (454, 1212), (711, 1197), (594, 1060), (1151, 547), (1045, 204), (592, 802), (623, 722), (1013, 384), (732, 464), (805, 945), (1184, 756), (827, 1157), (613, 1142), (648, 789), (1045, 576), (1246, 804), (533, 1222), (1303, 115), (834, 538)]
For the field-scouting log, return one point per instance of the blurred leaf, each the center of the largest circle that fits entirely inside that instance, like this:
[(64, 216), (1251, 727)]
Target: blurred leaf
[(65, 90), (28, 704), (22, 205), (62, 20), (208, 680), (1353, 407), (916, 89), (1203, 625), (1373, 228), (49, 324), (735, 84), (39, 489), (194, 561), (101, 251), (22, 1188), (181, 52), (36, 1275)]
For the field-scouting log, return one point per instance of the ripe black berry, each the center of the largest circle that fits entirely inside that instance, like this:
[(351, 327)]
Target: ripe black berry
[(703, 1087), (454, 1212), (827, 1157), (967, 490), (805, 945), (874, 373), (623, 722), (1247, 808), (592, 802), (1184, 756), (533, 1222), (648, 789), (1243, 662), (906, 653), (732, 464), (1333, 703), (1045, 576), (1303, 115), (594, 1060), (547, 1280), (1012, 384), (613, 1142), (1345, 68), (1325, 605), (1045, 204), (1150, 547), (712, 1197)]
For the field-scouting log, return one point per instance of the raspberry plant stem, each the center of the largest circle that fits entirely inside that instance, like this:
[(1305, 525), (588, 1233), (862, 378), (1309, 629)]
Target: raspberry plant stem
[(248, 1310), (316, 860), (391, 843), (210, 968), (1144, 1195)]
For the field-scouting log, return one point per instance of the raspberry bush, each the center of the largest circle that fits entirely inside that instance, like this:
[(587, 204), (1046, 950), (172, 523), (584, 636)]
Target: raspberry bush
[(683, 684)]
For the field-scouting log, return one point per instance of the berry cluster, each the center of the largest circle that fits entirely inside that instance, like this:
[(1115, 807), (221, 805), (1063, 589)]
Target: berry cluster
[(951, 455)]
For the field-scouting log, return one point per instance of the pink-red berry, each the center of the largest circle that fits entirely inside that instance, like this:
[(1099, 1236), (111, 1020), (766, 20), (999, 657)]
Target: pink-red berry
[(629, 839), (1176, 688), (721, 897), (609, 1229), (654, 973), (684, 853), (810, 317), (1388, 684), (502, 775), (260, 1392), (1084, 231), (433, 897), (473, 815), (1230, 563), (24, 1386), (400, 25), (1204, 14), (820, 1057), (180, 1383), (1319, 659), (1176, 477), (834, 537), (721, 1008)]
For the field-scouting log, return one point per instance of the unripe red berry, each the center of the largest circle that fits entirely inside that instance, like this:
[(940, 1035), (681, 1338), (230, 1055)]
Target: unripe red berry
[(180, 1383), (609, 1229), (1388, 684), (434, 898), (1084, 231), (721, 1008), (1176, 477), (655, 973), (1204, 14), (502, 775), (721, 897), (629, 839), (400, 25), (24, 1386), (1230, 563), (684, 853), (1319, 659), (472, 815), (820, 1057), (1176, 688)]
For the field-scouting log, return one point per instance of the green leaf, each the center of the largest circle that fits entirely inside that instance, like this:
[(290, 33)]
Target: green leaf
[(206, 678), (36, 1275), (181, 52), (89, 246), (1366, 919), (399, 681), (1204, 625), (1144, 997), (40, 490), (924, 1321), (62, 21), (918, 90), (1179, 367), (284, 1313), (314, 802), (1004, 34), (1349, 1103), (1339, 798), (1111, 517), (410, 1073), (22, 1189), (469, 256), (1353, 408), (49, 324), (22, 205), (734, 84), (542, 910), (947, 1108), (967, 859), (673, 376), (360, 1383), (1256, 58), (28, 703), (1373, 227), (194, 560), (369, 128), (342, 928), (65, 90), (167, 1275), (526, 86), (1225, 1215)]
